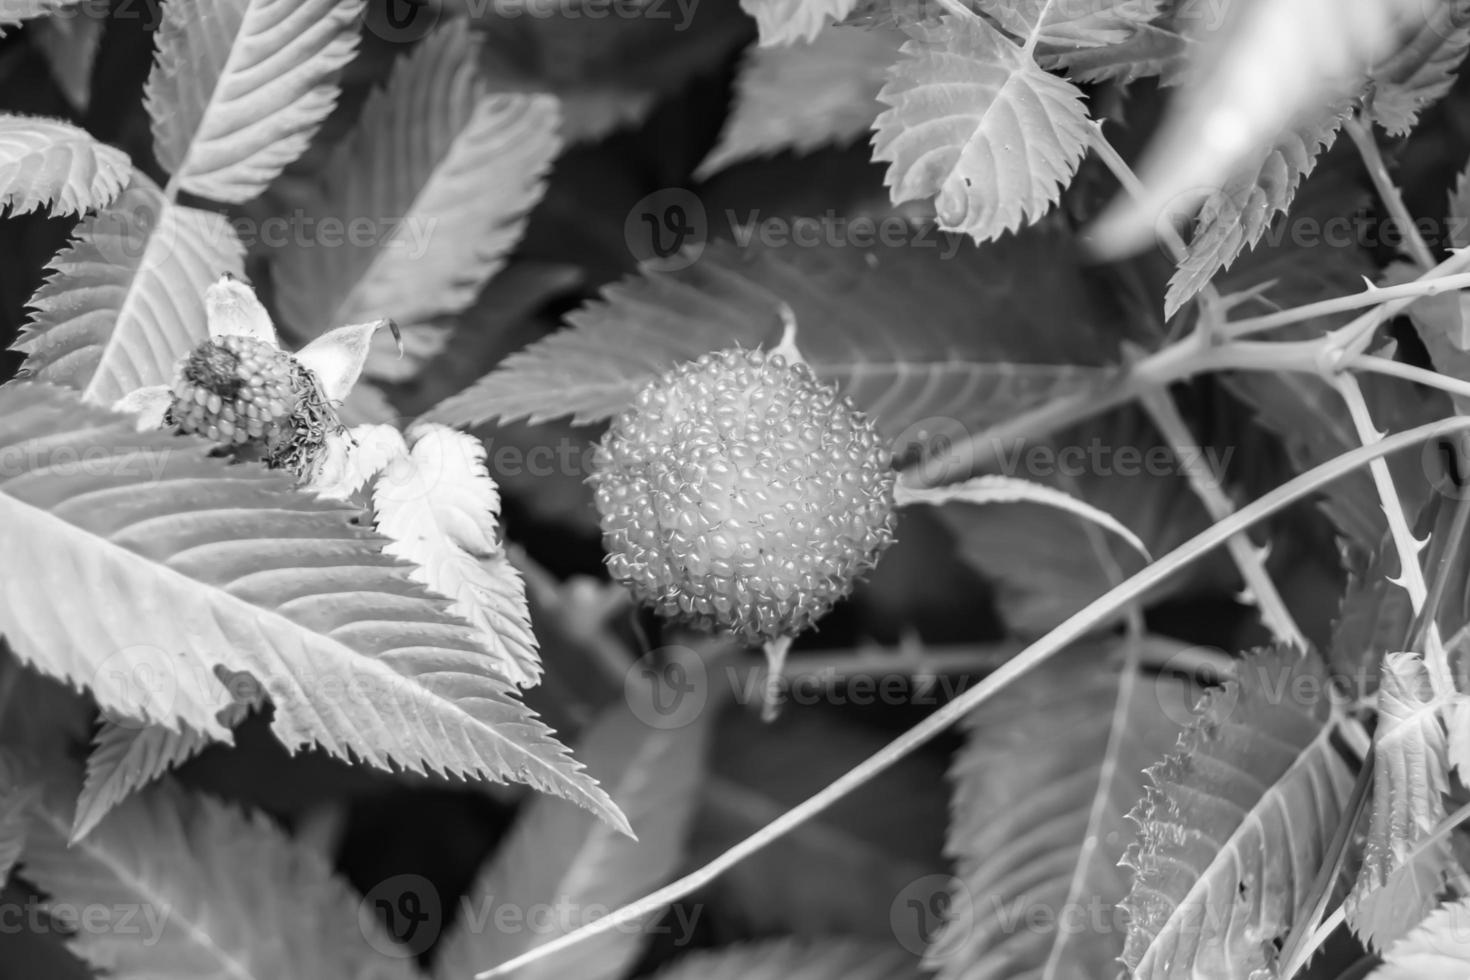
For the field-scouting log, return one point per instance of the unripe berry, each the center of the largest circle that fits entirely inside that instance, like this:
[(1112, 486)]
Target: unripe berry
[(740, 494)]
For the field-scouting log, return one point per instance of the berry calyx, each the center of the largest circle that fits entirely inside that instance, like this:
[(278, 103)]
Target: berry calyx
[(740, 494)]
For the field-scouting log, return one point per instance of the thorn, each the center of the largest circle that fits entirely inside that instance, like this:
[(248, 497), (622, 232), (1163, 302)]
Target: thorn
[(397, 335), (1246, 597), (1372, 287), (776, 651)]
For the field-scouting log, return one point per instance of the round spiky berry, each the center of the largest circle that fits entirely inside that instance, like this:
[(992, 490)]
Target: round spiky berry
[(741, 494), (236, 390)]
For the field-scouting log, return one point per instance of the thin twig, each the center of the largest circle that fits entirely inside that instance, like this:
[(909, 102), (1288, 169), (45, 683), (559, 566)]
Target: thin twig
[(1362, 137), (1098, 611)]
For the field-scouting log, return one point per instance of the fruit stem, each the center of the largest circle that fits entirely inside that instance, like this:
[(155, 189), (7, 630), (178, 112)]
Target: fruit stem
[(787, 347), (776, 651)]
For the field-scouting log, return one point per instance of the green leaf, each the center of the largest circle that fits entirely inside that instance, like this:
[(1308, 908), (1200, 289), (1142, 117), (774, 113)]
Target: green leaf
[(1437, 949), (240, 87), (560, 857), (1041, 790), (442, 171), (790, 21), (834, 958), (50, 164), (181, 571), (439, 506), (125, 300), (1150, 50), (1235, 217), (127, 757), (1422, 69), (963, 99), (70, 45), (188, 887), (838, 75), (1236, 823), (854, 309), (1411, 777)]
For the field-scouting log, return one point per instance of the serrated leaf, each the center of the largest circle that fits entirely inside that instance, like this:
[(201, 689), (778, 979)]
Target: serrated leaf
[(1236, 823), (856, 327), (1235, 217), (1437, 949), (1089, 23), (443, 171), (838, 75), (127, 757), (834, 958), (1411, 777), (181, 887), (791, 21), (52, 165), (240, 86), (156, 573), (125, 300), (1422, 69), (963, 100), (1047, 833), (442, 511), (559, 857)]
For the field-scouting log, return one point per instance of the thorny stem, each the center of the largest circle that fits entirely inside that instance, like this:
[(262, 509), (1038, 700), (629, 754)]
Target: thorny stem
[(1098, 611), (1249, 559), (1411, 576), (1372, 296), (1362, 137)]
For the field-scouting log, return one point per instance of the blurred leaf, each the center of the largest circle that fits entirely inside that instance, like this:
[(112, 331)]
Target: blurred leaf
[(193, 888), (1087, 24), (1117, 465), (1041, 791), (831, 958), (70, 46), (840, 872), (790, 21), (560, 857), (856, 326), (1236, 823), (15, 11), (443, 171), (962, 97), (838, 76)]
